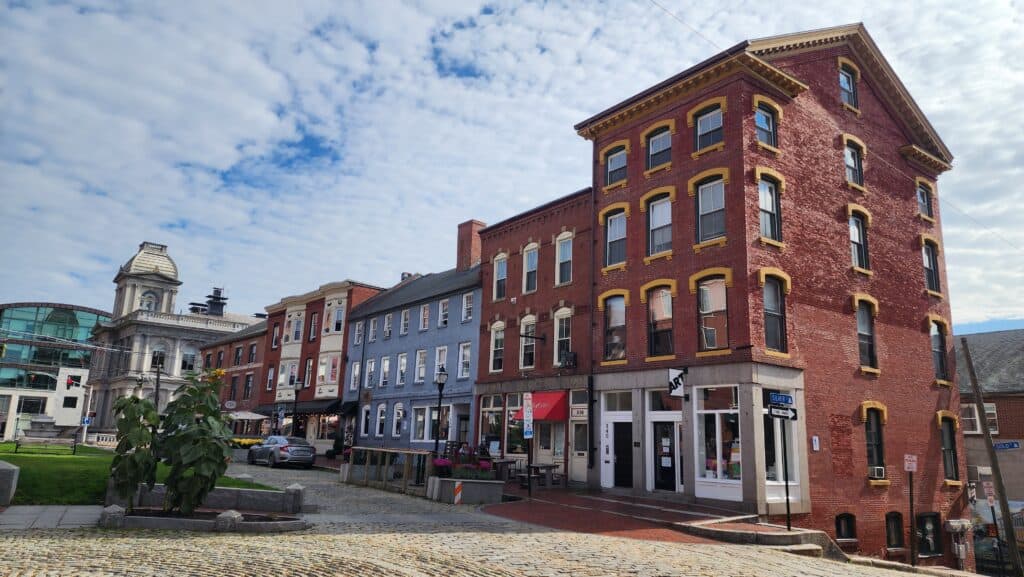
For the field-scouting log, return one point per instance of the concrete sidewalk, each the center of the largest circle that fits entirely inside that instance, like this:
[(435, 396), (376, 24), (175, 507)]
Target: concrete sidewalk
[(49, 517)]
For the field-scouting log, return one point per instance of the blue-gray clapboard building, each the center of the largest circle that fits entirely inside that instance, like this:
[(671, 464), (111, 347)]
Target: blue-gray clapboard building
[(401, 340)]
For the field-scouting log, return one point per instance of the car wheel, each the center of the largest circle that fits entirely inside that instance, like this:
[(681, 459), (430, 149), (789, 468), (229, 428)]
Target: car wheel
[(272, 461)]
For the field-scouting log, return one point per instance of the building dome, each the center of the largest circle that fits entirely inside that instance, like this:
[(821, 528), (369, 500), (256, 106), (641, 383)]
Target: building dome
[(151, 258)]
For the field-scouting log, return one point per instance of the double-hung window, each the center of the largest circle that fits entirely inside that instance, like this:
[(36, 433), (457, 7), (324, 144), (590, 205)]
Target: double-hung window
[(442, 313), (615, 163), (465, 358), (403, 328), (708, 128), (929, 253), (659, 322), (938, 340), (848, 85), (354, 378), (866, 335), (297, 328), (275, 338), (371, 372), (615, 239), (949, 461), (388, 322), (853, 156), (467, 307), (528, 345), (659, 147), (497, 348), (500, 277), (713, 314), (563, 335), (924, 200), (372, 336), (238, 356), (765, 125), (252, 353), (659, 223), (421, 365), (440, 361), (403, 362), (774, 315), (969, 418), (711, 210), (357, 337), (339, 318), (564, 260), (615, 328), (873, 438), (270, 378), (314, 320), (859, 242), (530, 270), (424, 317), (771, 215), (385, 371), (382, 411)]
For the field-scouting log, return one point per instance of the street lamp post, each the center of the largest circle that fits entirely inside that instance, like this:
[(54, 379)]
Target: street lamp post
[(156, 393), (440, 379), (295, 405)]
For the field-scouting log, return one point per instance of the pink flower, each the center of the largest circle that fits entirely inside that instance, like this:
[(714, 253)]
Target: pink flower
[(442, 463), (485, 465)]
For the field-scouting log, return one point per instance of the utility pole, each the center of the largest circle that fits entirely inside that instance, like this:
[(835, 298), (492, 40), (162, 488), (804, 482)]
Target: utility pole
[(997, 476)]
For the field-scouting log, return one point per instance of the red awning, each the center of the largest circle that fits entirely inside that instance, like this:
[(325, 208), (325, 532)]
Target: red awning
[(548, 406)]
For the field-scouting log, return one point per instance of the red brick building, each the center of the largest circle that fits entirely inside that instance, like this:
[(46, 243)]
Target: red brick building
[(760, 222), (241, 356), (305, 344), (535, 332)]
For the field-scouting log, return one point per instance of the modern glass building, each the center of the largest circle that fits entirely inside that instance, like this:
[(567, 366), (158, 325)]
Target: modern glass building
[(45, 363)]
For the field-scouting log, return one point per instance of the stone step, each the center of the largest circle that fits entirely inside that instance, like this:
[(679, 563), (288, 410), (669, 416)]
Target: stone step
[(803, 549)]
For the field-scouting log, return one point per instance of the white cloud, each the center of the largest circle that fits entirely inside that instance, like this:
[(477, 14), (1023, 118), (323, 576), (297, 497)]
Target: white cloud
[(274, 149)]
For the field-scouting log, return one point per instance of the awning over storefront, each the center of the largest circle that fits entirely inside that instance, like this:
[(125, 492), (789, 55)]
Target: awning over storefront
[(322, 407), (548, 406), (247, 416)]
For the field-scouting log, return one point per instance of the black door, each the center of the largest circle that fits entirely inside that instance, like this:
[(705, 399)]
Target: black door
[(664, 456), (623, 454)]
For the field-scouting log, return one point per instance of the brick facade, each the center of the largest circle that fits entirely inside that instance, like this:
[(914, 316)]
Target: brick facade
[(254, 336)]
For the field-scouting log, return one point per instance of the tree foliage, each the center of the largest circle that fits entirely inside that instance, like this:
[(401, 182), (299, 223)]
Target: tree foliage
[(134, 463)]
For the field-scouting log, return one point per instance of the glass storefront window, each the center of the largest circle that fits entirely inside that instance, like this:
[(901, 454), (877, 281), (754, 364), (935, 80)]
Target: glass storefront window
[(621, 401), (662, 401), (773, 444), (718, 433), (516, 444)]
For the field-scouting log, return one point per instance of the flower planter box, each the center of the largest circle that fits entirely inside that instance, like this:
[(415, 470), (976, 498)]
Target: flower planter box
[(474, 492)]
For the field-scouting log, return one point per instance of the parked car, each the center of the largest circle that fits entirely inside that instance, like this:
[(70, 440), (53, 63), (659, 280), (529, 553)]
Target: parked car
[(277, 450)]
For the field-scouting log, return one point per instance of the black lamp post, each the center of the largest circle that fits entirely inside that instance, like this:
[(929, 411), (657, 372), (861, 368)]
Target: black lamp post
[(156, 393), (440, 379), (295, 405)]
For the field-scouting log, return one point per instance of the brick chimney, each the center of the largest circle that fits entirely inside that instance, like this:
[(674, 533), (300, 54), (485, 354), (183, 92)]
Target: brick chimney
[(469, 244)]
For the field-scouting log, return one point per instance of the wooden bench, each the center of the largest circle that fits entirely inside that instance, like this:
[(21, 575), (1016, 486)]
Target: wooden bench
[(44, 441)]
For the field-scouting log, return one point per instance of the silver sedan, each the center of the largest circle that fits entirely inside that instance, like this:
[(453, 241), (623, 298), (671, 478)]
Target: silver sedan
[(277, 450)]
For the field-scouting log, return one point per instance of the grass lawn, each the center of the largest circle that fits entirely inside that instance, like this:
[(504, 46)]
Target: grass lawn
[(66, 479)]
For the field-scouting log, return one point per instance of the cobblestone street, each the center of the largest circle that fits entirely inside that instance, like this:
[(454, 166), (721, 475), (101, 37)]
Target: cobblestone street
[(366, 532)]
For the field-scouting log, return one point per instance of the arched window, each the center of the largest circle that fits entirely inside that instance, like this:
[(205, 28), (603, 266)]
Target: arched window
[(930, 255), (563, 338), (364, 426), (563, 258), (894, 530), (500, 276), (497, 347), (771, 213), (938, 341), (615, 165), (774, 315), (149, 301), (866, 334), (713, 314), (659, 224), (765, 123), (396, 420), (530, 268), (527, 342), (711, 209), (873, 439), (659, 147), (615, 328), (659, 322), (859, 241), (846, 526), (382, 413)]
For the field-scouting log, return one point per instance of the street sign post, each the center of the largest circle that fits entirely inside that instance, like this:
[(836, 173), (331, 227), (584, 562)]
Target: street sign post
[(782, 412), (910, 467), (780, 409), (780, 399), (1006, 445), (528, 435), (86, 421)]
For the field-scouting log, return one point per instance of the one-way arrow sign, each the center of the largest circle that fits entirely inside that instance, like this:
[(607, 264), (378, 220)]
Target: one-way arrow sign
[(782, 412)]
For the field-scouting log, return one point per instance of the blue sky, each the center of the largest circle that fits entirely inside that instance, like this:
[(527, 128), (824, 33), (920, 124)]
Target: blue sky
[(278, 146)]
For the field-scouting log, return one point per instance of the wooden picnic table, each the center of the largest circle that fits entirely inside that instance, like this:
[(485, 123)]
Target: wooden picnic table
[(547, 469)]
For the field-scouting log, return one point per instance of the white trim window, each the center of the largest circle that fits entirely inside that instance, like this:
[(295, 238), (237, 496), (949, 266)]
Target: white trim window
[(440, 360), (420, 430), (563, 259), (357, 336), (659, 226), (275, 340), (615, 238), (373, 330), (388, 322), (308, 372), (382, 413), (297, 328), (465, 358), (385, 371), (354, 379), (314, 319), (421, 365), (709, 127), (397, 414), (424, 317), (563, 334), (442, 313), (364, 425), (711, 210), (403, 328), (403, 362), (500, 276), (371, 369), (339, 319), (467, 307), (530, 268), (497, 362), (270, 378), (527, 344), (969, 418)]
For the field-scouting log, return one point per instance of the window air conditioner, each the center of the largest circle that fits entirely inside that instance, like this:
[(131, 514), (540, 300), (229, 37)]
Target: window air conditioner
[(876, 472)]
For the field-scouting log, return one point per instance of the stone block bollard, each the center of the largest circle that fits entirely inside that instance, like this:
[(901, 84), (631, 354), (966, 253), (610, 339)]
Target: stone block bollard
[(294, 495), (227, 521), (8, 482), (244, 477), (112, 517)]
